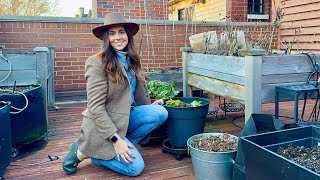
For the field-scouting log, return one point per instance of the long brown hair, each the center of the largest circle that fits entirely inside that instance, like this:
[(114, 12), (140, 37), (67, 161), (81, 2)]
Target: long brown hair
[(112, 64)]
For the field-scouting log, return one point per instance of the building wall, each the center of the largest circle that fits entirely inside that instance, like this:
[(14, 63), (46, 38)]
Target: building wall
[(210, 11), (219, 10), (237, 11), (74, 43), (300, 26), (133, 9)]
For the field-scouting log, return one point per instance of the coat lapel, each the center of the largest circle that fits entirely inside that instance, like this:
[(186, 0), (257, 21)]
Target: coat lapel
[(123, 71)]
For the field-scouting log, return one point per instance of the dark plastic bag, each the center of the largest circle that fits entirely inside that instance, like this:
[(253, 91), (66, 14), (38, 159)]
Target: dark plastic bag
[(5, 136)]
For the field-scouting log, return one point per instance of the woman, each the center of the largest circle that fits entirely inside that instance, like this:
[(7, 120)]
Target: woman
[(118, 112)]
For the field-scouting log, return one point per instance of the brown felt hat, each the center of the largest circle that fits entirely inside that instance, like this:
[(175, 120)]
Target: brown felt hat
[(112, 19)]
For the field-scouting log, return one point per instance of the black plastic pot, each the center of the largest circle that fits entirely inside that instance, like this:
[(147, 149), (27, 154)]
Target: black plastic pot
[(263, 163), (31, 124), (5, 137), (184, 122)]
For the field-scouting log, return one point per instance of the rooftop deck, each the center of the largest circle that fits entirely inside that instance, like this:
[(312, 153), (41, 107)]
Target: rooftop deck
[(64, 126)]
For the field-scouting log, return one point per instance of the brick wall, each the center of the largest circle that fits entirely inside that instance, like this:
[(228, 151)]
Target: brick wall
[(74, 42), (237, 11), (133, 9)]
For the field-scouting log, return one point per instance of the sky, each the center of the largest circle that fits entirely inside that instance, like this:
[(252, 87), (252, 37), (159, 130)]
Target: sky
[(70, 7)]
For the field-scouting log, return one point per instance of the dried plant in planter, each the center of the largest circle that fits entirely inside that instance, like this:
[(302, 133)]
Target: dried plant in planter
[(221, 143), (308, 157), (12, 89)]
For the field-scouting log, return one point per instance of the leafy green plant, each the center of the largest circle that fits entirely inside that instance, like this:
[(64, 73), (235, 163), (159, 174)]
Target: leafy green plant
[(160, 90), (179, 103)]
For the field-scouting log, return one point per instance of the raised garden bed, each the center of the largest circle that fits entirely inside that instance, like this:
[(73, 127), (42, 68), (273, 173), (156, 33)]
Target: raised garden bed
[(250, 80), (264, 163)]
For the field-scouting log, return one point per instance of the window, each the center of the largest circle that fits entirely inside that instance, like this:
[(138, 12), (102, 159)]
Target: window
[(255, 6), (185, 14)]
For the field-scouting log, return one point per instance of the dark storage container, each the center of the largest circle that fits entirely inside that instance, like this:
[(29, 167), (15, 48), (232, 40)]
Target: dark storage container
[(303, 124), (263, 163), (184, 122), (31, 124), (5, 136)]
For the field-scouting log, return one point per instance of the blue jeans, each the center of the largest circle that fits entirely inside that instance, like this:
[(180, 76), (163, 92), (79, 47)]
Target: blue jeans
[(142, 120)]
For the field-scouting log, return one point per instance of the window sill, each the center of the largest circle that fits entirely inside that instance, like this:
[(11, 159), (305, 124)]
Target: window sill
[(257, 16)]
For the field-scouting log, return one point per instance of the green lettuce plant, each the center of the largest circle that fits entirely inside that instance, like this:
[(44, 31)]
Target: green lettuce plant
[(160, 90), (179, 103)]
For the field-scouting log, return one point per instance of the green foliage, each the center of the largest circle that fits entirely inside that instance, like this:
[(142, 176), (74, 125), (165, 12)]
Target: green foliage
[(179, 103), (160, 90)]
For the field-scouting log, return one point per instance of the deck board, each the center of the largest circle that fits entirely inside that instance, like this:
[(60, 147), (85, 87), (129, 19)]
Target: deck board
[(64, 127)]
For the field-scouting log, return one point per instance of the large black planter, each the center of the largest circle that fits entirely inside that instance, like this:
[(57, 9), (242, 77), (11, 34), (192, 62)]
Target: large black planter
[(263, 163), (31, 124), (5, 137), (184, 122)]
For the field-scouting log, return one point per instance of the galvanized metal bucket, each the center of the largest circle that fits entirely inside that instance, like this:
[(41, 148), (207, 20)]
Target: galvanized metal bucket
[(211, 165)]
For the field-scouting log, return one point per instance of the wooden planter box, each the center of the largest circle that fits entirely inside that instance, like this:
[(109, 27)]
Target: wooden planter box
[(29, 67), (250, 80)]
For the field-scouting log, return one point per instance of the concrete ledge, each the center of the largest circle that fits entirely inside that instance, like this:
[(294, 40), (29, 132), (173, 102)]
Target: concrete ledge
[(258, 16), (138, 21)]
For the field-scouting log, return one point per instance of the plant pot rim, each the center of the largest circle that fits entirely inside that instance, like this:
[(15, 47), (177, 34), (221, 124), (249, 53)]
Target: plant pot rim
[(207, 135)]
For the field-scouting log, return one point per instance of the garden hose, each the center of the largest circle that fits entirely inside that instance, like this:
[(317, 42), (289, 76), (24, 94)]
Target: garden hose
[(15, 108), (45, 161)]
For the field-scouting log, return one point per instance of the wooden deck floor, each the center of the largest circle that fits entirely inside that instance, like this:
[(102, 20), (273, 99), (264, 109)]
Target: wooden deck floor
[(64, 129)]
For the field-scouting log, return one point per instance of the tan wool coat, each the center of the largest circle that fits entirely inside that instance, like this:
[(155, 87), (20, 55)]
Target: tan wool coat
[(107, 111)]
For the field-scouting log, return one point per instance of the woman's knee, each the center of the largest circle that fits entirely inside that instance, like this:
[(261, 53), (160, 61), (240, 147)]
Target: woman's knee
[(162, 113), (137, 167)]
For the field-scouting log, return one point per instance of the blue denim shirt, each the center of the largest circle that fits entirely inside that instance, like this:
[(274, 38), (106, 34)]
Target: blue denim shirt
[(125, 60)]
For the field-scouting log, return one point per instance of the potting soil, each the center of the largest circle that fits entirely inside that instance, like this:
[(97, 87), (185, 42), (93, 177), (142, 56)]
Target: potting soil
[(308, 157)]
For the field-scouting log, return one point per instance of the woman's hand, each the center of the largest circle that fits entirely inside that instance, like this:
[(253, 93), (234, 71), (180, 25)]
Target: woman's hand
[(159, 102), (122, 150)]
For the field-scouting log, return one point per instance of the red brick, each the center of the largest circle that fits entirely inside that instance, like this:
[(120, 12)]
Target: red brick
[(63, 73), (62, 54), (13, 46), (63, 82), (69, 49), (70, 86), (62, 64), (71, 68)]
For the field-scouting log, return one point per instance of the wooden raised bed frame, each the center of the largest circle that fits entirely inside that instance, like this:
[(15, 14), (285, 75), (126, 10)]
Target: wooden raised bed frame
[(250, 80)]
